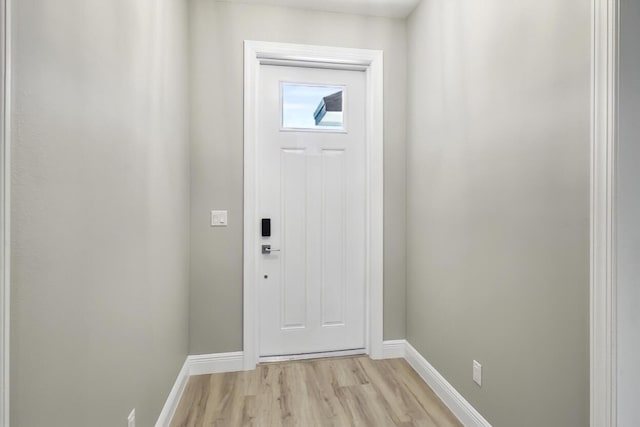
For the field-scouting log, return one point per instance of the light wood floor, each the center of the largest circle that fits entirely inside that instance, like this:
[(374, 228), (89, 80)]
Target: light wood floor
[(348, 391)]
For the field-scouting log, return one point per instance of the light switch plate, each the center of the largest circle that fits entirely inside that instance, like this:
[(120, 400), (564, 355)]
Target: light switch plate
[(477, 373), (218, 218)]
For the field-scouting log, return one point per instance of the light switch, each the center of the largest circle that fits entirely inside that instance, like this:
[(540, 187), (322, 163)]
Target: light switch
[(218, 218)]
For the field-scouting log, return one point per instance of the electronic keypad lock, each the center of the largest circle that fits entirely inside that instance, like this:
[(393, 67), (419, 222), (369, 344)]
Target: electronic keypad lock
[(266, 227)]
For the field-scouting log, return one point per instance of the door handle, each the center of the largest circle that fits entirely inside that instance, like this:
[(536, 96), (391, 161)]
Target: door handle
[(266, 249)]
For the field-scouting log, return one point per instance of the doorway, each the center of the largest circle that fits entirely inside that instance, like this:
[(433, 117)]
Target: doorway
[(313, 201)]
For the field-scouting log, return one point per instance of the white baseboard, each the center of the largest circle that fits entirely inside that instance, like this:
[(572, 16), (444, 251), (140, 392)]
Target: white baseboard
[(204, 364), (462, 409), (171, 404), (394, 349)]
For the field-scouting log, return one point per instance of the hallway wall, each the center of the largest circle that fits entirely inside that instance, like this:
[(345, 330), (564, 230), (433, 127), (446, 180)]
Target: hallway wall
[(99, 210), (628, 211), (218, 30), (498, 203)]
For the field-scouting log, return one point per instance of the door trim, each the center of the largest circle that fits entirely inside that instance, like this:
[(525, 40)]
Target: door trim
[(603, 310), (5, 150), (308, 356), (371, 63)]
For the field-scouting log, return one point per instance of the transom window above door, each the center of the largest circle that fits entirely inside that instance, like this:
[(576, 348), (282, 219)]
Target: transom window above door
[(311, 107)]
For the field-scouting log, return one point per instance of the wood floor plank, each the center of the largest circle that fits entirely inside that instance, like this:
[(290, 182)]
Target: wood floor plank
[(337, 392), (330, 411), (190, 410), (400, 403), (423, 394)]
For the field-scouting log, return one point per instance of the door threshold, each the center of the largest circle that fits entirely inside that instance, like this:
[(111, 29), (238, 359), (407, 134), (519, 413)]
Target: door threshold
[(304, 356)]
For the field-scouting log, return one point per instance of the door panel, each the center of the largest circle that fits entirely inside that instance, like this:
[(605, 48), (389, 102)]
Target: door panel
[(312, 186), (294, 225), (334, 222)]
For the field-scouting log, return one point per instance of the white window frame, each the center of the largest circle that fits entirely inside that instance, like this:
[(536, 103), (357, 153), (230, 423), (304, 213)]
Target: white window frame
[(370, 62)]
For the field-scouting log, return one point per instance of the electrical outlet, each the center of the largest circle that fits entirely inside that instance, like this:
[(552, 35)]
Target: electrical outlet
[(477, 373), (132, 418)]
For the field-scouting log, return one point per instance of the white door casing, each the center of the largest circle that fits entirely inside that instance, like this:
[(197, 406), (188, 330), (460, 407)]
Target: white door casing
[(369, 62), (311, 295), (603, 265)]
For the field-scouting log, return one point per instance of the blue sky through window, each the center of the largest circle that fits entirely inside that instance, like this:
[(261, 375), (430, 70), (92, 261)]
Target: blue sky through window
[(299, 102)]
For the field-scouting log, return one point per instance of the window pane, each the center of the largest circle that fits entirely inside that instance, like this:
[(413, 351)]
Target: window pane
[(312, 107)]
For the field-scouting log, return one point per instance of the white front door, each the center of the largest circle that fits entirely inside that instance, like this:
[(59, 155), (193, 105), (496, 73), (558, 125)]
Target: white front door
[(312, 183)]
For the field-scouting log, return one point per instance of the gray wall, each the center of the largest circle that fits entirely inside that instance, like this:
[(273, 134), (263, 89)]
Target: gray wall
[(628, 236), (100, 210), (498, 203), (217, 34)]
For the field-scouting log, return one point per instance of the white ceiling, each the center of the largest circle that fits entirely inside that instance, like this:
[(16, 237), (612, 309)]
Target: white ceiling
[(388, 8)]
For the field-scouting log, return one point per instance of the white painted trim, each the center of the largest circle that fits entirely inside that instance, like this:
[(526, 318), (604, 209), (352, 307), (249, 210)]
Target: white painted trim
[(603, 305), (371, 61), (5, 209), (203, 364), (174, 397), (307, 356), (394, 349), (462, 409)]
